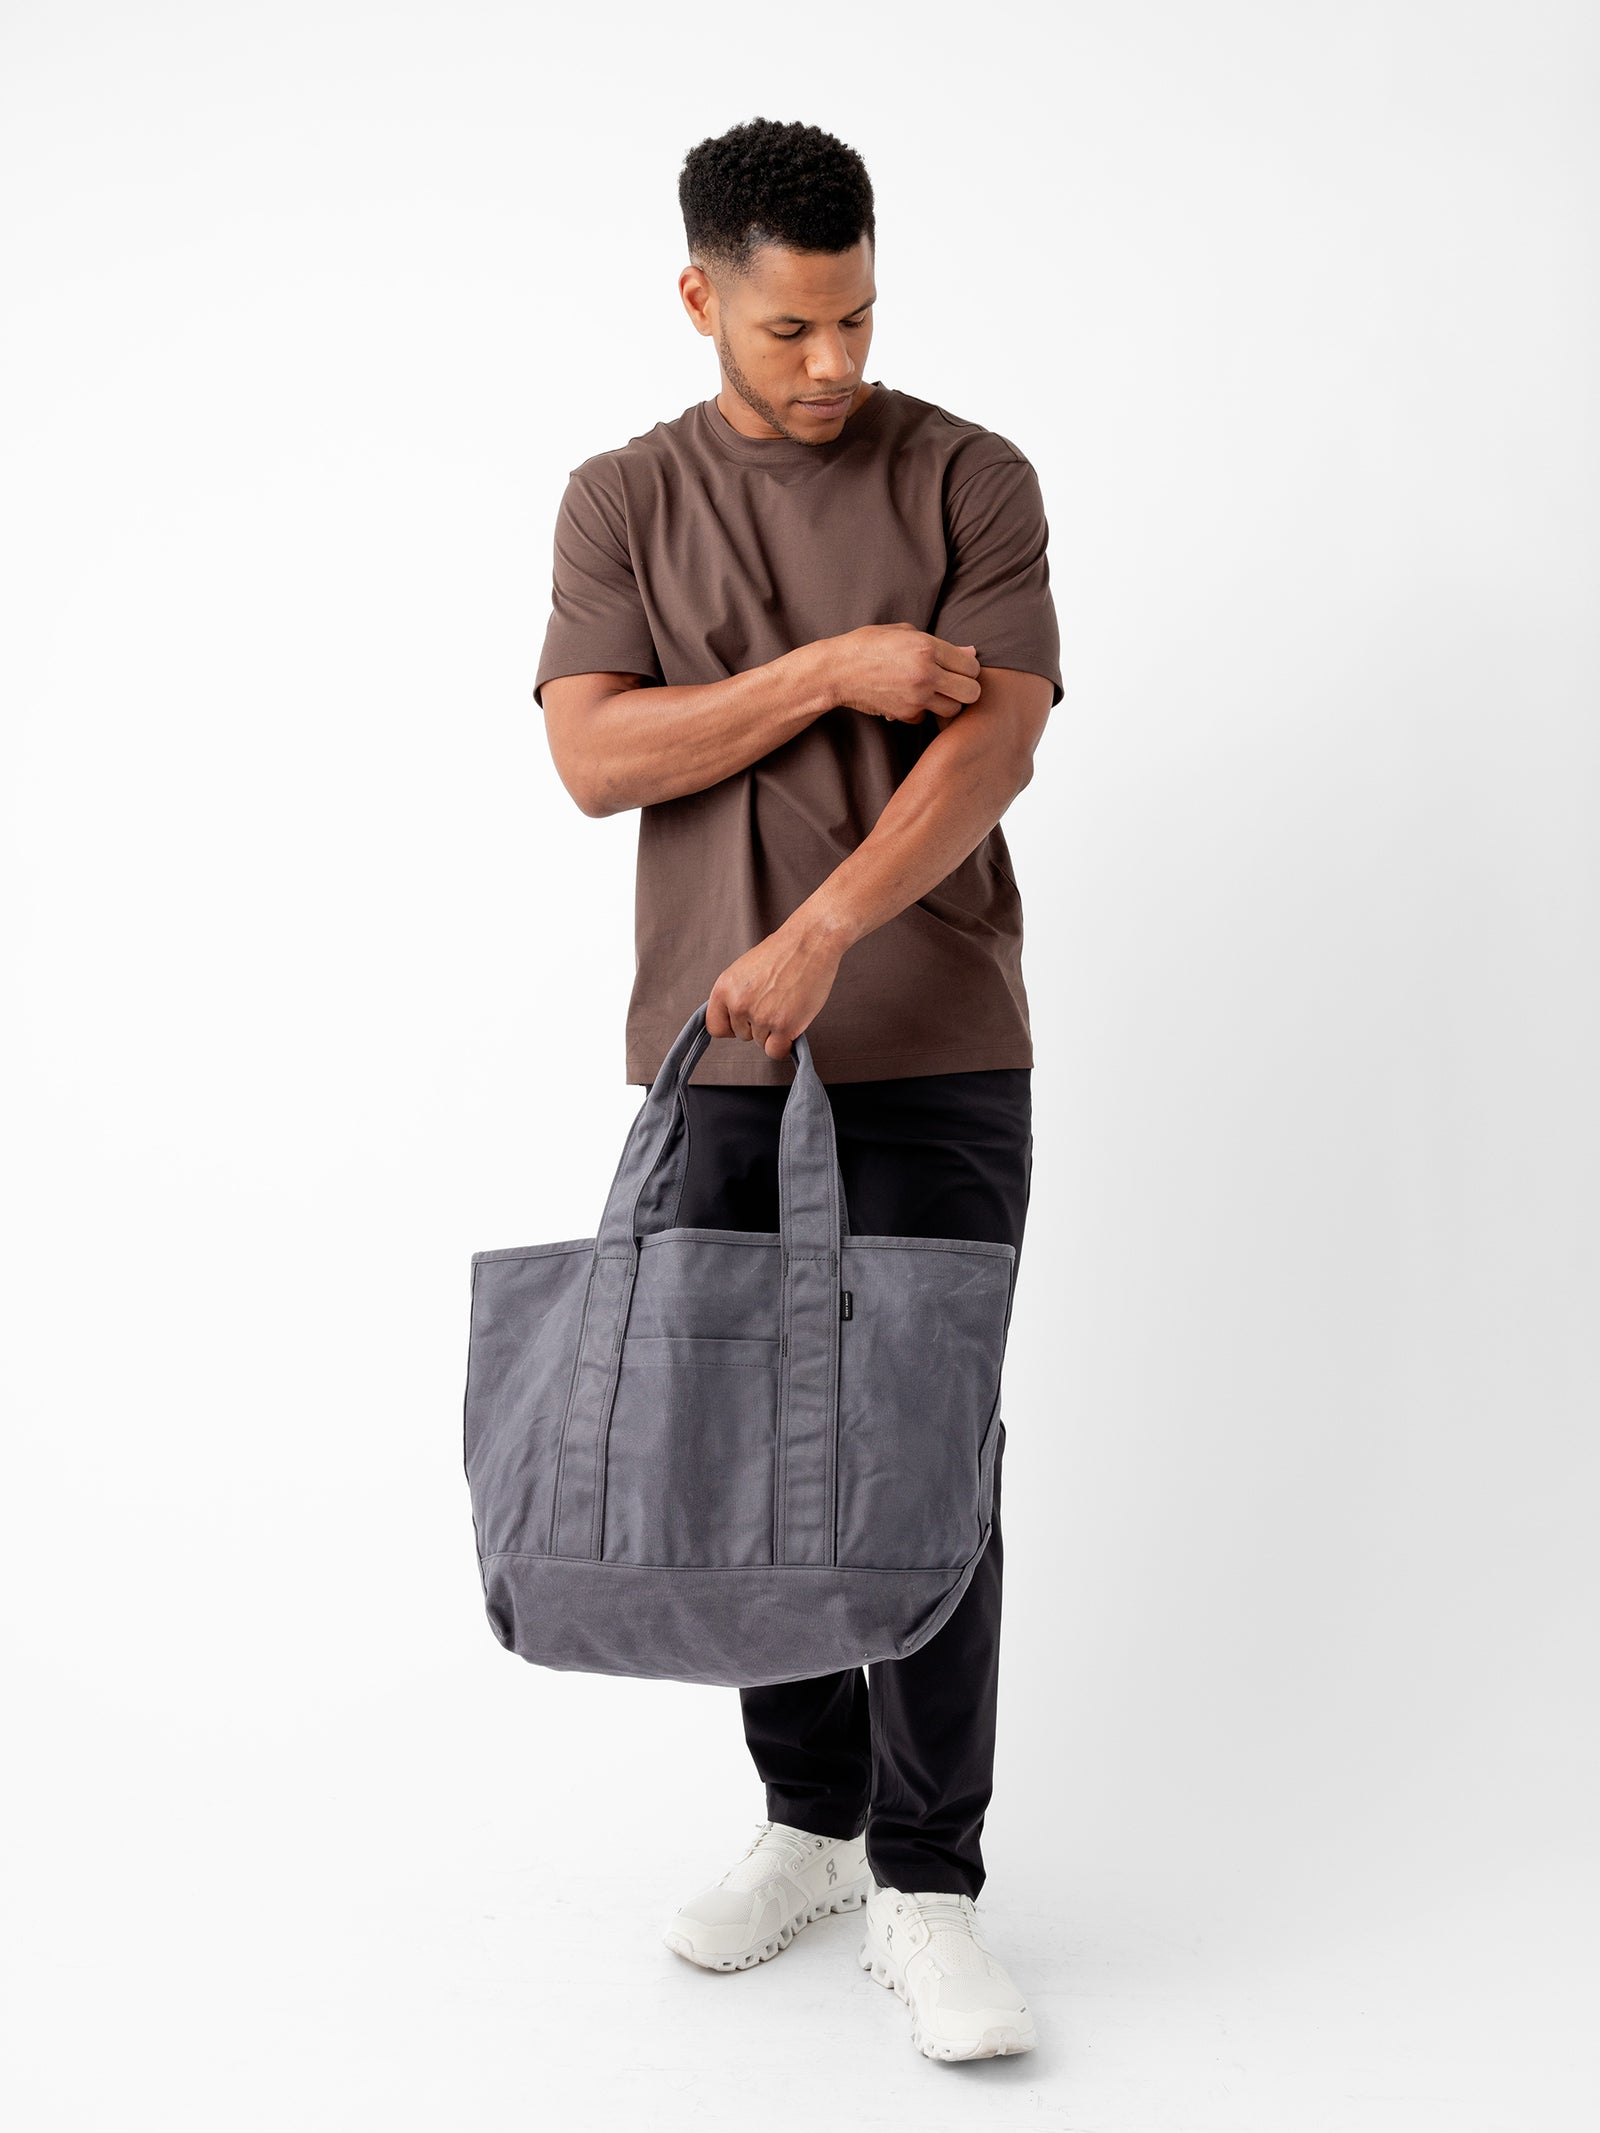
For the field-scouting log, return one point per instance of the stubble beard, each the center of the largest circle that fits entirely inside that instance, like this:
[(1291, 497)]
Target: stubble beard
[(751, 398)]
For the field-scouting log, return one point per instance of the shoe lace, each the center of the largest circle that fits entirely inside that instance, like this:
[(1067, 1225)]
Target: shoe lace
[(792, 1845), (951, 1923)]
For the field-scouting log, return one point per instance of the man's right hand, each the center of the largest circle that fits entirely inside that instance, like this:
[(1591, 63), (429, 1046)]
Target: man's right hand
[(894, 670)]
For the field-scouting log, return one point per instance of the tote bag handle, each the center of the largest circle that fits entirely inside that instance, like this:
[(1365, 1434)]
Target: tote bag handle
[(648, 1182), (649, 1179)]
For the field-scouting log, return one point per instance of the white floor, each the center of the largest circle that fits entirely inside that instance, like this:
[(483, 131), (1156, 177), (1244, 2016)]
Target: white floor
[(406, 1933)]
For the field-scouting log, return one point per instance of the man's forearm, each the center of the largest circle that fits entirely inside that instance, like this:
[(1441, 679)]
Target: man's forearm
[(941, 811), (650, 744)]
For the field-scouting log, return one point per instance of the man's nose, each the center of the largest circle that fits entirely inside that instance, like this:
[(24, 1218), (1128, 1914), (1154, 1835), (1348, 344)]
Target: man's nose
[(829, 360)]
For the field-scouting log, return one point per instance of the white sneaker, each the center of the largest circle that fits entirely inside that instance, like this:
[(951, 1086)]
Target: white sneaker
[(926, 1947), (786, 1878)]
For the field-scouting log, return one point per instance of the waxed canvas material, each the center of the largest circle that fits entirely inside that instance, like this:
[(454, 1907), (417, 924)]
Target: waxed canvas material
[(685, 1460)]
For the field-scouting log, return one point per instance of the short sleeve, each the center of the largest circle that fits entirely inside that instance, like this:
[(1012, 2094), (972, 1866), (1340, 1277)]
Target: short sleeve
[(597, 621), (996, 594)]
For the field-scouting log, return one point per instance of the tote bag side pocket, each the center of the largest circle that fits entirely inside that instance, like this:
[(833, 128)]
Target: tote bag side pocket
[(525, 1312)]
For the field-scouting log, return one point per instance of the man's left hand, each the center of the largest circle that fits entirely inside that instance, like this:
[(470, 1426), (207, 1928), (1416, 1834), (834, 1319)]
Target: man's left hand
[(774, 991)]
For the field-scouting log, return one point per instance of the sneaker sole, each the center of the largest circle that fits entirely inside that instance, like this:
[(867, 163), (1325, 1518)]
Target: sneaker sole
[(1000, 2042), (851, 1898)]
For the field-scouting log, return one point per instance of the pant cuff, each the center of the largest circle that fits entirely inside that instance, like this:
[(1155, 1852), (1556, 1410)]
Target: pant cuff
[(820, 1817), (907, 1872)]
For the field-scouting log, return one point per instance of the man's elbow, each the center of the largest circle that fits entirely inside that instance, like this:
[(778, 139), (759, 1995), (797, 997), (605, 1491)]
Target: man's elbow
[(1012, 761), (583, 770), (578, 740), (583, 787), (1008, 722)]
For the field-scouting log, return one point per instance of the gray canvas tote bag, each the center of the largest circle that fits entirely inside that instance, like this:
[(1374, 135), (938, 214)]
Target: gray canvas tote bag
[(723, 1456)]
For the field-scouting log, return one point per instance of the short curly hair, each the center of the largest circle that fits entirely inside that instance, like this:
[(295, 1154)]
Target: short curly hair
[(766, 182)]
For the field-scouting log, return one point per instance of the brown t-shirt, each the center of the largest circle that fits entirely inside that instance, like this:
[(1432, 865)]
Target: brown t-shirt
[(691, 553)]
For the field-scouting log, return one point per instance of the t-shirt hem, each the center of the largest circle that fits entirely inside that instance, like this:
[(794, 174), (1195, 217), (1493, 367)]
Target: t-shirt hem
[(749, 1066)]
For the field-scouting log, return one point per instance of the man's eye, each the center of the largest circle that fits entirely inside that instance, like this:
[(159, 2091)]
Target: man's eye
[(851, 325)]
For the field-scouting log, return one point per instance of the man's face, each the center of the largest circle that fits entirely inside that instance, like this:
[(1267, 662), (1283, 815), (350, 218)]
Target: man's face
[(792, 334)]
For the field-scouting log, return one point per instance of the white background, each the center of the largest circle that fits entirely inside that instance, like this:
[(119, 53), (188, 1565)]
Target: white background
[(315, 982)]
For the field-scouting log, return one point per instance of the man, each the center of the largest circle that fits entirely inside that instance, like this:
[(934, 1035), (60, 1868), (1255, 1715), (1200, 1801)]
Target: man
[(806, 629)]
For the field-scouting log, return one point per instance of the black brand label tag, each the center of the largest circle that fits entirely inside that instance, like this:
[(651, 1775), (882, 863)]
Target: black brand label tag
[(846, 1304)]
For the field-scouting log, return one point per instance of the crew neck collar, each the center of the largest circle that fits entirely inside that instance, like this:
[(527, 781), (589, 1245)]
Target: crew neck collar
[(789, 451)]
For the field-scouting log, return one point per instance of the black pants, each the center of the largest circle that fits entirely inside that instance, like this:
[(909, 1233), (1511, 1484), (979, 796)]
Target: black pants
[(907, 1755)]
